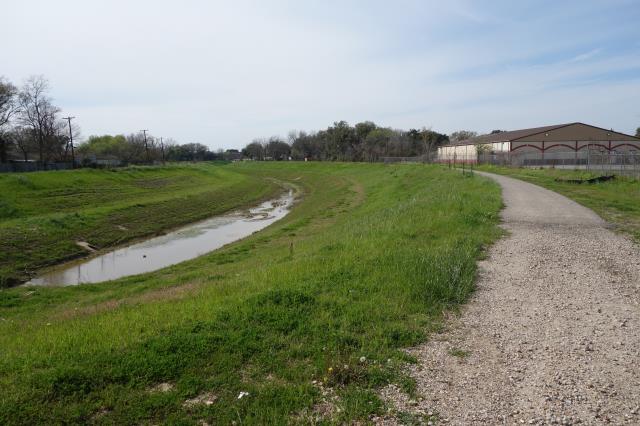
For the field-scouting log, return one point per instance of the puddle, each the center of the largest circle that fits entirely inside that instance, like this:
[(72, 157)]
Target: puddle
[(183, 244)]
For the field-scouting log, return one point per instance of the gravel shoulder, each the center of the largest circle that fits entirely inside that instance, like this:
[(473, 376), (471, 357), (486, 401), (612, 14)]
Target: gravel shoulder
[(551, 335)]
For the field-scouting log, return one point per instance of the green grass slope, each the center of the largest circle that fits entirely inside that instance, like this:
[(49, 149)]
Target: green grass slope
[(44, 214), (314, 308)]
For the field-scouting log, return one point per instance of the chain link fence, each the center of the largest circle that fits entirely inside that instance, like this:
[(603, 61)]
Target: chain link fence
[(32, 166), (419, 159), (602, 162)]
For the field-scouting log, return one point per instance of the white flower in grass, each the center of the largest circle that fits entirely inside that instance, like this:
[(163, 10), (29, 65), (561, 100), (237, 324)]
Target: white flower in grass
[(243, 394)]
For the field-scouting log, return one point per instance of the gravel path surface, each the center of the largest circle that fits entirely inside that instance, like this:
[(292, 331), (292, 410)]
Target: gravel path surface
[(552, 334)]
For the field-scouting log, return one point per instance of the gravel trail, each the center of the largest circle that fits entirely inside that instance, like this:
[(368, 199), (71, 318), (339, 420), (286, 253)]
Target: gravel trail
[(552, 334)]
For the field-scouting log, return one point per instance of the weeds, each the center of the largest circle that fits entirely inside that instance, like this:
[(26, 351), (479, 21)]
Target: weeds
[(459, 353)]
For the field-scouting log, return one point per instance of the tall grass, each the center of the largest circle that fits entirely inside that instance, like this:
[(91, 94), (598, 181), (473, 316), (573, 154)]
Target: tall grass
[(363, 266)]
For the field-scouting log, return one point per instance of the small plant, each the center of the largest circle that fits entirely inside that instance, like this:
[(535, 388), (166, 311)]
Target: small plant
[(25, 181), (459, 353), (7, 210)]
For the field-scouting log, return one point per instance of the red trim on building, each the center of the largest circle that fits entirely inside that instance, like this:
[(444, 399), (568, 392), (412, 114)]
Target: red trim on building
[(523, 146), (561, 144), (627, 144), (592, 144)]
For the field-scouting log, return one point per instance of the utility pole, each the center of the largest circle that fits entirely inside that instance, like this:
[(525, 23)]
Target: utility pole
[(162, 149), (73, 154), (146, 147)]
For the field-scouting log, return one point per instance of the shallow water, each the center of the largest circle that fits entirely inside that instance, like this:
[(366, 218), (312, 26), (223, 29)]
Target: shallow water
[(183, 244)]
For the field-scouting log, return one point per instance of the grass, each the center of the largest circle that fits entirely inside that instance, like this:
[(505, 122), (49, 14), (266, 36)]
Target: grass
[(379, 252), (43, 215), (459, 353), (616, 201)]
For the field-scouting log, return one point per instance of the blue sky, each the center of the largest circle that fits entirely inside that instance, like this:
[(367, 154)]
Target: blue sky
[(223, 73)]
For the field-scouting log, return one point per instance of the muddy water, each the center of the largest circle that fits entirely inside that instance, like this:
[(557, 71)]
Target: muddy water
[(183, 244)]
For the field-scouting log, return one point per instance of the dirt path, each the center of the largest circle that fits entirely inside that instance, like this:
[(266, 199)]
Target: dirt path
[(552, 334)]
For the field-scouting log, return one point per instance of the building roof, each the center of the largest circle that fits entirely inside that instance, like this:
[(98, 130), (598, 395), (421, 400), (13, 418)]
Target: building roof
[(514, 135), (509, 135)]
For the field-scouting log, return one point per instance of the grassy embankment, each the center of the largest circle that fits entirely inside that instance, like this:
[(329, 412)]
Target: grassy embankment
[(324, 299), (43, 215), (616, 201)]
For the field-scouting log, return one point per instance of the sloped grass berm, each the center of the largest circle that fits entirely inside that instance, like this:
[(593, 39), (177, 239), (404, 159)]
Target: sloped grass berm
[(44, 215), (302, 321)]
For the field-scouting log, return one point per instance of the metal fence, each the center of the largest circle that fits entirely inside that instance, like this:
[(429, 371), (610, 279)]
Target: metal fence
[(32, 166), (596, 161), (600, 162), (430, 158)]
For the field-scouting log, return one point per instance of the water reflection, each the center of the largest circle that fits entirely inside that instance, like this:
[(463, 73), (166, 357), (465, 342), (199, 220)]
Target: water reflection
[(183, 244)]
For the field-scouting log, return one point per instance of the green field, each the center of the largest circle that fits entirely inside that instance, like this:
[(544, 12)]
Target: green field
[(616, 201), (308, 316), (43, 215)]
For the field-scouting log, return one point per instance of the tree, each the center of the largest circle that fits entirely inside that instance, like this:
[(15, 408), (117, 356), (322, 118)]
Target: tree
[(363, 129), (131, 149), (255, 150), (431, 140), (105, 146), (277, 149), (462, 135), (136, 152), (376, 144), (22, 138), (190, 152), (306, 146), (39, 114), (483, 148), (638, 132), (8, 107), (341, 140)]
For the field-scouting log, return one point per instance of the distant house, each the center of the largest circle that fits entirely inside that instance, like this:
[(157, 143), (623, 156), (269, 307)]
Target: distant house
[(232, 155), (569, 139)]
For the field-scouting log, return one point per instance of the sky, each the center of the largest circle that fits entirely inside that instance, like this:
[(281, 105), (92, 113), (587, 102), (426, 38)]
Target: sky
[(222, 73)]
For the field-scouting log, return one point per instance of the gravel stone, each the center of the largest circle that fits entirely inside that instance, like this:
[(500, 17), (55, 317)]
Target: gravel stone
[(552, 331)]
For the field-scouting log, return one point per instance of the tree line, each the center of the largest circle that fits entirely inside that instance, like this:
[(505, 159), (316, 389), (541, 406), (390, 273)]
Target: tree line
[(32, 129), (364, 141), (139, 148), (30, 124)]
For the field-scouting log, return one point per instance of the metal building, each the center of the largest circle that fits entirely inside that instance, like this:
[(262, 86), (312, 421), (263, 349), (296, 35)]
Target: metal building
[(549, 145)]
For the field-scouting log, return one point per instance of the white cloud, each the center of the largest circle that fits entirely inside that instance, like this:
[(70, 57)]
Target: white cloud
[(585, 56)]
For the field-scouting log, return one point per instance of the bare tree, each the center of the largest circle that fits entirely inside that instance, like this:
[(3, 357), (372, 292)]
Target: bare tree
[(8, 107), (39, 114), (8, 101), (22, 138), (136, 148)]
